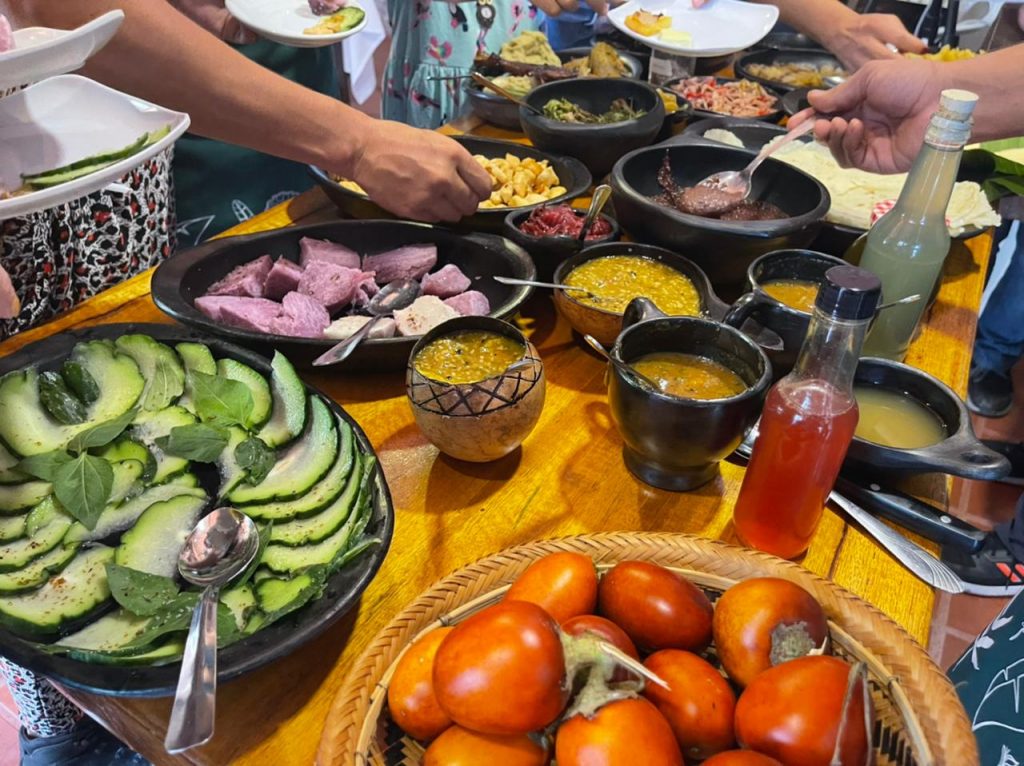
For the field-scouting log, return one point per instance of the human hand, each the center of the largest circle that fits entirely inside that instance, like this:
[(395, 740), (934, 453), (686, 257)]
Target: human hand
[(212, 16), (859, 38), (418, 174), (877, 118), (557, 7)]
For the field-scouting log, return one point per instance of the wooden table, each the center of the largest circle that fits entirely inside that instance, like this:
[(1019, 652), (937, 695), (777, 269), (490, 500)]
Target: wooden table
[(568, 478)]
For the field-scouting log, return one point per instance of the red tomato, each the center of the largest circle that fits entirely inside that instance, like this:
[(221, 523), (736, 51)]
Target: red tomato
[(411, 697), (793, 711), (740, 758), (630, 731), (462, 747), (564, 584), (603, 629), (657, 608), (763, 619), (700, 705), (502, 671)]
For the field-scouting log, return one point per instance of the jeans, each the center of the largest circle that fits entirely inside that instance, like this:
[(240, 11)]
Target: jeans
[(1000, 340)]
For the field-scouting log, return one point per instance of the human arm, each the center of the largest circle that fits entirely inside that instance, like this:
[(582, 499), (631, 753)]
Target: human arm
[(555, 7), (160, 55)]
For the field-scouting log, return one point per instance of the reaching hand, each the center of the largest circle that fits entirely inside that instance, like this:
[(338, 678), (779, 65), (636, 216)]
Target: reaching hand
[(557, 7), (858, 38), (877, 119), (418, 174)]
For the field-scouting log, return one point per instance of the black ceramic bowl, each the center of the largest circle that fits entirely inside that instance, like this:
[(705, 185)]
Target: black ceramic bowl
[(753, 133), (549, 252), (959, 454), (596, 146), (770, 57), (836, 239), (277, 640), (186, 276), (572, 174), (675, 443), (786, 40), (723, 249), (771, 117)]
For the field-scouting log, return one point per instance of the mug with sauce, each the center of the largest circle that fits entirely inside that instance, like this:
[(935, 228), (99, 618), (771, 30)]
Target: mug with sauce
[(783, 286)]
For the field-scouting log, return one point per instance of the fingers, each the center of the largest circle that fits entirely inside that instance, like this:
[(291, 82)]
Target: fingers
[(891, 30), (800, 117), (843, 98), (477, 180), (600, 7), (556, 7)]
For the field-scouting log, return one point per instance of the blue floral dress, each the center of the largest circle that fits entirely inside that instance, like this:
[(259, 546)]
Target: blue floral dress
[(433, 39)]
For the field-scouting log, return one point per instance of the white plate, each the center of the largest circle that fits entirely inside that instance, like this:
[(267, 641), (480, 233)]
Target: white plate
[(68, 118), (40, 52), (719, 28), (283, 21)]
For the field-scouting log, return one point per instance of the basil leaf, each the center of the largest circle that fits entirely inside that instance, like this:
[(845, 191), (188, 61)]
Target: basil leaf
[(220, 399), (255, 457), (140, 593), (82, 486), (172, 617), (101, 435), (227, 629), (199, 441), (44, 466)]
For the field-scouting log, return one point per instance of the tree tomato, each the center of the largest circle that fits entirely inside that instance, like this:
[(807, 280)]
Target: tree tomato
[(629, 731), (461, 747), (699, 705), (563, 584), (763, 622), (657, 608), (741, 758), (411, 697), (502, 670), (604, 629), (793, 713)]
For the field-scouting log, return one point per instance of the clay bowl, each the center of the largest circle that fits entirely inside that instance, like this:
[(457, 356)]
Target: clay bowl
[(548, 252), (484, 420)]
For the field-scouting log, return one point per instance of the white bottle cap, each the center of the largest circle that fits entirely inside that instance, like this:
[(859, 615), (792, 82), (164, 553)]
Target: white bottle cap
[(957, 104)]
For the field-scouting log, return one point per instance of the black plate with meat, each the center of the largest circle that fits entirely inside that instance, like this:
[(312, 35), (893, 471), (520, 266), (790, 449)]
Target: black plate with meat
[(188, 275), (771, 117), (778, 57)]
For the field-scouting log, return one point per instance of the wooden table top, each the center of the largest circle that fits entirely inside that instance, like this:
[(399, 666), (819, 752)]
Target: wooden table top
[(568, 478)]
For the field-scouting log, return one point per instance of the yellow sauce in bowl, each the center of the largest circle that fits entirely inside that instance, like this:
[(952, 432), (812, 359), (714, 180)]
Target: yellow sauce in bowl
[(468, 356), (795, 293), (689, 376), (615, 280)]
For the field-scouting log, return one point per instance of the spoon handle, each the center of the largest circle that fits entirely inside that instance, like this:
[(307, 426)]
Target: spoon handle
[(342, 350), (769, 148), (195, 698), (534, 283), (484, 82), (601, 195)]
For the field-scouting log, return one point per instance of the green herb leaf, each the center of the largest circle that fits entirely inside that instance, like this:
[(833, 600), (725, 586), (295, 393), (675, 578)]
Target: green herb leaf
[(62, 405), (227, 628), (220, 399), (140, 593), (256, 458), (264, 531), (199, 441), (173, 616), (44, 466), (81, 381), (101, 435), (83, 485)]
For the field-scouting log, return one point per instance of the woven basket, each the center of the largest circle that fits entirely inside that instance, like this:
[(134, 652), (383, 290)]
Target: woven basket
[(919, 720)]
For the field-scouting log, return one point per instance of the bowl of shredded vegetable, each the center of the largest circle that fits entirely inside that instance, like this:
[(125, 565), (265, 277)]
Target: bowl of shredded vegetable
[(728, 97)]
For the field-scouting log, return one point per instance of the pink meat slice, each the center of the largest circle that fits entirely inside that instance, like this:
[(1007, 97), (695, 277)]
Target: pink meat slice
[(303, 317), (245, 280), (282, 279), (6, 35), (238, 311), (408, 262), (471, 303), (313, 250), (9, 303), (333, 286), (445, 282)]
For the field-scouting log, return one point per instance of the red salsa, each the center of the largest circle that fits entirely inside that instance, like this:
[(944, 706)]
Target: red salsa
[(561, 221)]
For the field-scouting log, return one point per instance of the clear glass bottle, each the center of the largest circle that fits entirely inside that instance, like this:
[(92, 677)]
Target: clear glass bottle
[(808, 421), (908, 246)]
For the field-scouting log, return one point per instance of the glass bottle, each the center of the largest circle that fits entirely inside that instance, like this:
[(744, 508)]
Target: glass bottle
[(908, 246), (808, 421)]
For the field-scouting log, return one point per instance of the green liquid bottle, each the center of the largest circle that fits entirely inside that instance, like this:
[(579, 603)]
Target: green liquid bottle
[(908, 246)]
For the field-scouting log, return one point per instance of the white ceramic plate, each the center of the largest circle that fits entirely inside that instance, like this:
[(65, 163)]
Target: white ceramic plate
[(40, 52), (283, 21), (719, 28), (68, 118)]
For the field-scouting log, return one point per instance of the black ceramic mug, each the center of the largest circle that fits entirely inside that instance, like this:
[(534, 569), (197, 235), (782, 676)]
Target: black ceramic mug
[(787, 322)]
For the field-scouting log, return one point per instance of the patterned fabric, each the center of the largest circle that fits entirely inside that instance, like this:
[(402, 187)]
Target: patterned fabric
[(434, 39), (44, 711), (59, 257)]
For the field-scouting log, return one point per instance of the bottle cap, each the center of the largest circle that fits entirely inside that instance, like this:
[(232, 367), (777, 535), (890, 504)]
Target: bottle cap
[(957, 104), (849, 293)]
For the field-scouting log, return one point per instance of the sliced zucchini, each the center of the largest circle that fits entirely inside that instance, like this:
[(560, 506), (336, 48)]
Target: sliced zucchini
[(241, 600), (125, 448), (257, 385), (8, 473), (12, 527), (288, 414), (257, 620), (313, 529), (164, 375), (46, 526), (127, 480), (301, 465), (37, 571), (170, 651), (78, 592), (149, 426), (27, 429), (289, 558), (153, 544), (18, 497), (109, 634), (195, 356), (277, 596), (231, 473)]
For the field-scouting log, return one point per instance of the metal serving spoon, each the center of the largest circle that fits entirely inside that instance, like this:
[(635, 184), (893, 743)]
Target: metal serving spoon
[(485, 82), (533, 283), (219, 549), (618, 364), (597, 202), (392, 297)]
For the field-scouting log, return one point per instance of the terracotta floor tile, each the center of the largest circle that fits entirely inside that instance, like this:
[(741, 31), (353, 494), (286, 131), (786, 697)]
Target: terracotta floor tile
[(9, 750)]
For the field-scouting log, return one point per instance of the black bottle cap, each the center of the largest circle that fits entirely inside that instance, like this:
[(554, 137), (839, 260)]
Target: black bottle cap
[(849, 293)]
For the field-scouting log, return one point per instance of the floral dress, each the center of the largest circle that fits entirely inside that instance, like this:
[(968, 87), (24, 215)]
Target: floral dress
[(434, 39)]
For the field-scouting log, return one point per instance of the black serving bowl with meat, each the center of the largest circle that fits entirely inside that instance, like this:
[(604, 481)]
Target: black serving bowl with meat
[(753, 133), (772, 57), (723, 249), (188, 275), (548, 252), (597, 146), (771, 117)]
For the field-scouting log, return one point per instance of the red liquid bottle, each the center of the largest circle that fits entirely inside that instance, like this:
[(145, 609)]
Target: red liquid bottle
[(808, 421)]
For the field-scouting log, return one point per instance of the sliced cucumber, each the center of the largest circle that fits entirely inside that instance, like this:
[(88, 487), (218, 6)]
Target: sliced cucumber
[(195, 356), (109, 634), (126, 448), (301, 465), (27, 429), (288, 558), (81, 589), (18, 497), (257, 385), (241, 601), (170, 651), (37, 571), (127, 480), (288, 414), (278, 596), (102, 159), (46, 526), (165, 377), (153, 544), (313, 529), (149, 426), (231, 473), (12, 527), (8, 473)]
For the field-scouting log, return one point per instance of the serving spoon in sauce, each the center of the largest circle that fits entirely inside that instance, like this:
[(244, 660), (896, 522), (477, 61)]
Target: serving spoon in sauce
[(618, 364), (514, 282), (597, 203)]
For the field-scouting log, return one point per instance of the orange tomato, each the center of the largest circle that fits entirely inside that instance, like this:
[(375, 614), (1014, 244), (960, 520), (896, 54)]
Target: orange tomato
[(740, 758), (563, 584), (411, 697), (462, 747), (630, 731)]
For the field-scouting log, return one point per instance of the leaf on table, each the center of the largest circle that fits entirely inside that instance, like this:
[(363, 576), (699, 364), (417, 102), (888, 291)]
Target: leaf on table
[(140, 593), (83, 487), (256, 458), (199, 441), (221, 400), (44, 466), (101, 435)]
